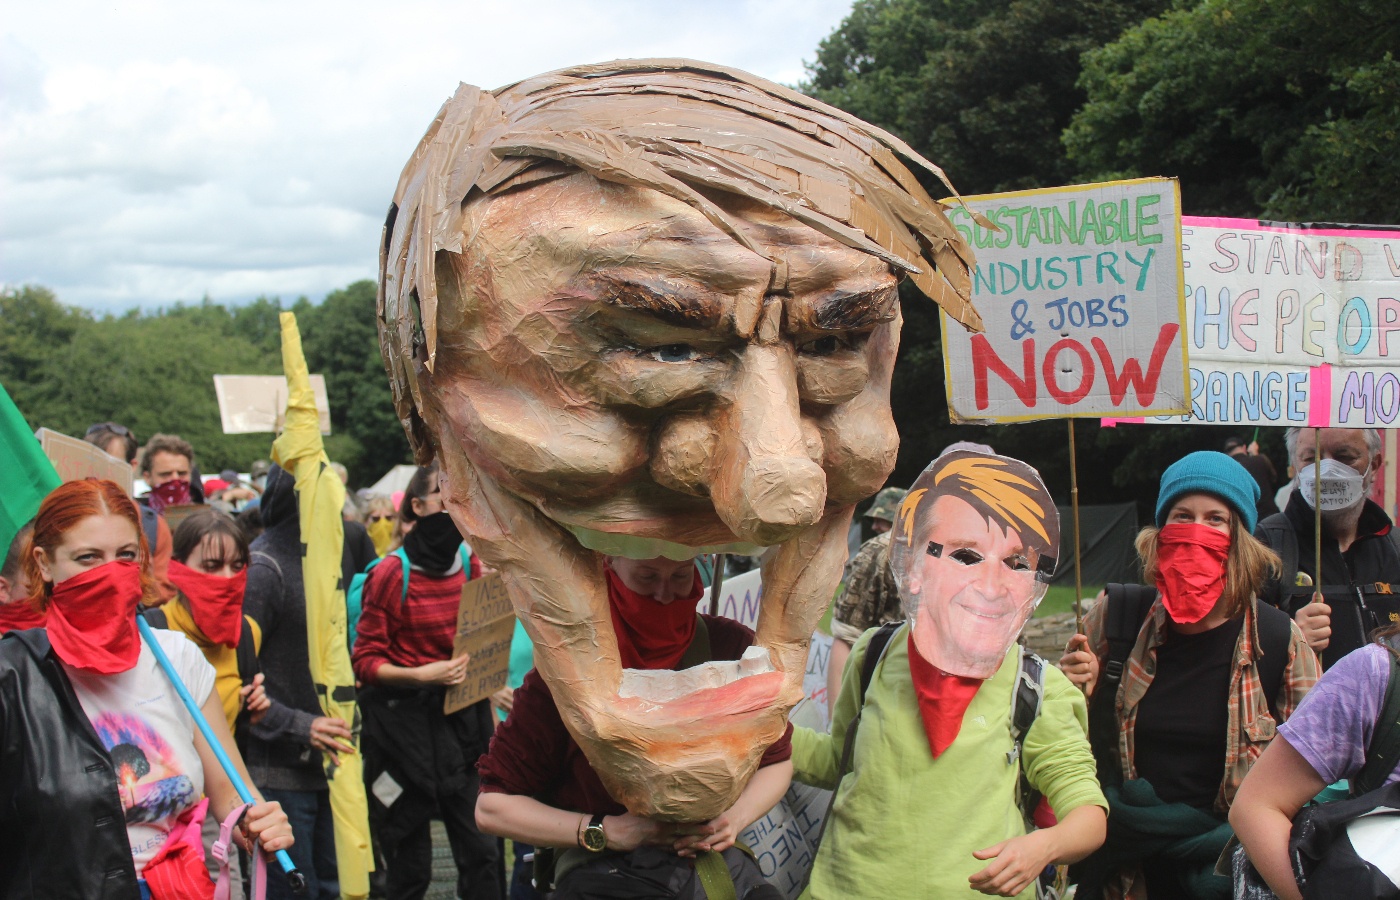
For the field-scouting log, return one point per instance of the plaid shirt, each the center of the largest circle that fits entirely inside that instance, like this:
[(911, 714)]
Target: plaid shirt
[(871, 597), (1251, 726)]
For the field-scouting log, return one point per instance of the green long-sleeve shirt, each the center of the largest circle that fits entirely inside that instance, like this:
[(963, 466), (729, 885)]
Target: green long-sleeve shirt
[(906, 824)]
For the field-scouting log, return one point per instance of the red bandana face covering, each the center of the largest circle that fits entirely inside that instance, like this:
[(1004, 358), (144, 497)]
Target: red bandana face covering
[(216, 603), (651, 635), (172, 493), (1191, 569), (92, 618)]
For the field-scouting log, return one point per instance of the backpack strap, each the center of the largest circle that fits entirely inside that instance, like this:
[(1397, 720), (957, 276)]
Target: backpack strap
[(156, 617), (1278, 533), (1026, 701), (1383, 754), (699, 650), (874, 652), (271, 561), (407, 569), (1275, 634), (1128, 605)]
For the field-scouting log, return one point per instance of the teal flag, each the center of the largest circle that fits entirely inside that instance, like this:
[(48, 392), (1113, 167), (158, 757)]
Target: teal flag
[(26, 475)]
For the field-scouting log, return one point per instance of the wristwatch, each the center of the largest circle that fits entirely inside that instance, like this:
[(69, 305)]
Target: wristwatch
[(593, 839)]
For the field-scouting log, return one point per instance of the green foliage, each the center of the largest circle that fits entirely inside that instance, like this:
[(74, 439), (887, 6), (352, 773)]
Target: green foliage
[(983, 88), (1285, 109), (66, 370)]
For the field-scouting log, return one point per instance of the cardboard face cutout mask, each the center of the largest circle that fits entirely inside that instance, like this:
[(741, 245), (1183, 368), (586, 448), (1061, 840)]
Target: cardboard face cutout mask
[(973, 551), (649, 309)]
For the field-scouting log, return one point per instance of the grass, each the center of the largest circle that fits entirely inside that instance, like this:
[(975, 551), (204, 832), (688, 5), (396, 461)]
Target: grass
[(1060, 599)]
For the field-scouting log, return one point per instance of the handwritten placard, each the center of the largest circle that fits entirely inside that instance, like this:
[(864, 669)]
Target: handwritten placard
[(1081, 293), (1291, 324), (75, 459), (485, 625)]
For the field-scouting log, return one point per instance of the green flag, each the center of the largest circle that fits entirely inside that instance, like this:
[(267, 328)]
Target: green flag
[(26, 475)]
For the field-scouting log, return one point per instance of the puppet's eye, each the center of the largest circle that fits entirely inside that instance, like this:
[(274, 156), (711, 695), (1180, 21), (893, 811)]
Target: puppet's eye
[(966, 557), (672, 353), (822, 346)]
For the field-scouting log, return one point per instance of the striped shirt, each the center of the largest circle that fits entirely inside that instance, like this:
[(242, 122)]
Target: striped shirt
[(406, 633)]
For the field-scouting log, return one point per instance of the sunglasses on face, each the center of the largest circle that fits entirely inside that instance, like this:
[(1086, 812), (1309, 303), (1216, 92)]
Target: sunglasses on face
[(379, 518)]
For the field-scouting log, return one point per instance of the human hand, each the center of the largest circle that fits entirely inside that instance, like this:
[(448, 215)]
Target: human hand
[(1315, 621), (718, 834), (503, 700), (1080, 664), (628, 832), (333, 736), (445, 672), (267, 824), (1014, 864), (253, 698)]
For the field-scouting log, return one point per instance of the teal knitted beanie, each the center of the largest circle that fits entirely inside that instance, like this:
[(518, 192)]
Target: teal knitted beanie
[(1209, 472)]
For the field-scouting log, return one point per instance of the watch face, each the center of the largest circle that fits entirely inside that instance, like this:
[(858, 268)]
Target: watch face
[(594, 838)]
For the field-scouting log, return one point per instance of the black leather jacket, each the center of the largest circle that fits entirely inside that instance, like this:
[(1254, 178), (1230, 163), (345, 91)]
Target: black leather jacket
[(62, 828)]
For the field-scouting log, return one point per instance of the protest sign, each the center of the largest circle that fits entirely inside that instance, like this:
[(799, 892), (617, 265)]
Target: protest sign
[(75, 459), (178, 513), (255, 404), (1291, 324), (1081, 296), (485, 625)]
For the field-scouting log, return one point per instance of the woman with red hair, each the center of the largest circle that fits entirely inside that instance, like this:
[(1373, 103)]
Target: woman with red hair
[(102, 769)]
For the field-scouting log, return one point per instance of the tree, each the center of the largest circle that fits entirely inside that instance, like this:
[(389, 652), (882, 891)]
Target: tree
[(1284, 109), (984, 88)]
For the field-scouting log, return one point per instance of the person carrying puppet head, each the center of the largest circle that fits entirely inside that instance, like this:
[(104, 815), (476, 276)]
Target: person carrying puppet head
[(537, 786), (930, 807)]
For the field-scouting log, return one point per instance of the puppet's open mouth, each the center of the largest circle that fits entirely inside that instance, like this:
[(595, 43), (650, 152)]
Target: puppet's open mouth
[(720, 687)]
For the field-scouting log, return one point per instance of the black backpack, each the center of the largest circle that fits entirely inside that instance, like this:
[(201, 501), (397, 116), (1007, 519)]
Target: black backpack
[(1128, 606)]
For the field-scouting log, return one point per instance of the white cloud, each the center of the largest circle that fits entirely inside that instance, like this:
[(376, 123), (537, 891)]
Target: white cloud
[(162, 151)]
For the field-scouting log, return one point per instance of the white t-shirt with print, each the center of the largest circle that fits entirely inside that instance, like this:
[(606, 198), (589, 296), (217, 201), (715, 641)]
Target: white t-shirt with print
[(149, 734)]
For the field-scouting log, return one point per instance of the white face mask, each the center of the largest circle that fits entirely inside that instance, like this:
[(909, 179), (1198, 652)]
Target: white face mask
[(1342, 486)]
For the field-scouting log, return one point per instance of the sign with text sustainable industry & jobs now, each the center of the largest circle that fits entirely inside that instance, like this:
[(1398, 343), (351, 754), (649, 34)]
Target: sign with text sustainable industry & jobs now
[(1292, 324), (1081, 292)]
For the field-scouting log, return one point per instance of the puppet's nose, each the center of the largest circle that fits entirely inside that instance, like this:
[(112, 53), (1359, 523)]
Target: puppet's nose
[(765, 485)]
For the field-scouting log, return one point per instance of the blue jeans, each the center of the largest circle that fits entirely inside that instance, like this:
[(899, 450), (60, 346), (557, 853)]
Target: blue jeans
[(314, 851), (522, 886)]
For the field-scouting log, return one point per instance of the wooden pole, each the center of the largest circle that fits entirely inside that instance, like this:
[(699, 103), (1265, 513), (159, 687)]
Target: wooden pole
[(716, 583), (1317, 514), (1074, 504)]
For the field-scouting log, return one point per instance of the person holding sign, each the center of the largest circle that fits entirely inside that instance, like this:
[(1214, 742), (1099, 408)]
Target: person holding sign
[(419, 762), (931, 753), (1359, 587), (101, 765), (538, 787), (1179, 674)]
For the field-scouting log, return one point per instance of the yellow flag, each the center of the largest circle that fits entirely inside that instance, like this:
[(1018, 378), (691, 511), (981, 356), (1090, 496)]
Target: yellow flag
[(320, 496)]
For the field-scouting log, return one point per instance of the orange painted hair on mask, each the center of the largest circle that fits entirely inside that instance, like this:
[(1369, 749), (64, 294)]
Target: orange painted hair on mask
[(62, 510)]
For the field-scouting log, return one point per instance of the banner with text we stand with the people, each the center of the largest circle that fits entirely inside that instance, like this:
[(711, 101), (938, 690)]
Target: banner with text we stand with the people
[(1291, 324), (1081, 293)]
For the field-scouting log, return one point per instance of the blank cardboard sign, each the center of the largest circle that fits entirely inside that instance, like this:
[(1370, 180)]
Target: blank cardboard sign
[(75, 459), (256, 404)]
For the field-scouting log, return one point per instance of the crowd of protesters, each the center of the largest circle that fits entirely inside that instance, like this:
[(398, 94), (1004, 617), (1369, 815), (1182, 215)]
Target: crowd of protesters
[(1166, 755)]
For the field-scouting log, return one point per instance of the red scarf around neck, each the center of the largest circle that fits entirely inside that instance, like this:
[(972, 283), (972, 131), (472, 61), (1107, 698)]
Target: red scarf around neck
[(651, 635), (943, 699), (216, 603), (18, 615)]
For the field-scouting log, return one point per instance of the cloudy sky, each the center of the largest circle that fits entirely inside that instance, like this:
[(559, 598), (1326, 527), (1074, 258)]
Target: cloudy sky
[(160, 151)]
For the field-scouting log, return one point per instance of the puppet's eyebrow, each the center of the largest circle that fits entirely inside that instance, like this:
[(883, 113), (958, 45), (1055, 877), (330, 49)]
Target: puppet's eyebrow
[(848, 310), (674, 304)]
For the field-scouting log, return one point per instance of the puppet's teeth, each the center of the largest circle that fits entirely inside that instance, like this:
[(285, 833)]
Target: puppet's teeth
[(662, 686), (634, 547)]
